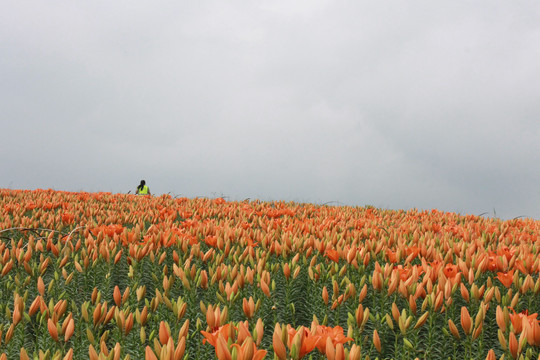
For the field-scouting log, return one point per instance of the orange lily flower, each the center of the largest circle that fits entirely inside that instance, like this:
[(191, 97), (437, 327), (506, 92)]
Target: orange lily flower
[(494, 263), (507, 278), (506, 252), (332, 255), (211, 241), (404, 273), (450, 271), (248, 350), (391, 256), (412, 252), (522, 320), (334, 334), (307, 340), (251, 243), (213, 336), (526, 264)]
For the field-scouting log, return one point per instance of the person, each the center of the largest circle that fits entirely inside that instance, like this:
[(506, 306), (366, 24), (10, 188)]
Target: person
[(142, 189)]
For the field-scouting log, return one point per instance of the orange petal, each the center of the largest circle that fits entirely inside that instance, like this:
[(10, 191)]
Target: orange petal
[(259, 355)]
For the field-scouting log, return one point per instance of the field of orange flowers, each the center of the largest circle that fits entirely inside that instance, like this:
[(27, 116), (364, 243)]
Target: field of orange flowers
[(114, 276)]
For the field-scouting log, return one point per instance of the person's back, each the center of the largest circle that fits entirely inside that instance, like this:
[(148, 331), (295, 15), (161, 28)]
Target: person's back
[(142, 189)]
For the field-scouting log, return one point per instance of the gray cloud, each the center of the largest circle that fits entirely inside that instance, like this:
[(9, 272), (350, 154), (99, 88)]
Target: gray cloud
[(399, 105)]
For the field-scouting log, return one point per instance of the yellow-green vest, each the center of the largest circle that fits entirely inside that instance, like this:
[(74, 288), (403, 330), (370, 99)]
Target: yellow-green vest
[(144, 190)]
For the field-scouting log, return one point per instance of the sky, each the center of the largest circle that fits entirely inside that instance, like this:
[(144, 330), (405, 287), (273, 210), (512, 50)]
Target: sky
[(395, 104)]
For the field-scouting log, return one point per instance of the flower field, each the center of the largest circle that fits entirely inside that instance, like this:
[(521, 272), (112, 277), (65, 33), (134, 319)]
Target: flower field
[(114, 276)]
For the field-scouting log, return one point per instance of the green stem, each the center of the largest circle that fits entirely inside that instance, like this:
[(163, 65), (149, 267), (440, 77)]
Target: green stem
[(395, 345)]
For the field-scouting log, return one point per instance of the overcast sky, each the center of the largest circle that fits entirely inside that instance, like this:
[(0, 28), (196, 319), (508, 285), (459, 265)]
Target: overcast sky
[(396, 104)]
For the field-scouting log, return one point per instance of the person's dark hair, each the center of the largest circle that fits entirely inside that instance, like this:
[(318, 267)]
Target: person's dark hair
[(141, 185)]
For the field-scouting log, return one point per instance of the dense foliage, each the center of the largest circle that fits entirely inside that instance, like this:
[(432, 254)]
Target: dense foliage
[(113, 276)]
